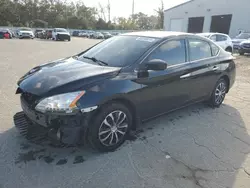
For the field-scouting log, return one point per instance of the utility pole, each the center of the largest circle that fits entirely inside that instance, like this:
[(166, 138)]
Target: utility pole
[(133, 7), (108, 7)]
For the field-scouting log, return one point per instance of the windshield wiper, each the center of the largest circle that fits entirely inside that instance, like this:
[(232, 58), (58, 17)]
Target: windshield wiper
[(75, 57), (96, 60)]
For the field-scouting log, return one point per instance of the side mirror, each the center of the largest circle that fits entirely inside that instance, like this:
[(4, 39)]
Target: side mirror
[(156, 65)]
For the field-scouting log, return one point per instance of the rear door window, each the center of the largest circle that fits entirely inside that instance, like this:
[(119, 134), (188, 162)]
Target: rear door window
[(199, 49)]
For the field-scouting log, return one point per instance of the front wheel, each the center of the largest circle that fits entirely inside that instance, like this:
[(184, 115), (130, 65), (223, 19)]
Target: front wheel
[(219, 93), (110, 127)]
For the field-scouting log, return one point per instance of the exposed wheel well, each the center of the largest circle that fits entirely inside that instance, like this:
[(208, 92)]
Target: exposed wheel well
[(226, 78), (229, 49)]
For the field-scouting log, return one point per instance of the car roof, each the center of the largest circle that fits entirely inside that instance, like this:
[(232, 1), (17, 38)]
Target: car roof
[(157, 34), (212, 33)]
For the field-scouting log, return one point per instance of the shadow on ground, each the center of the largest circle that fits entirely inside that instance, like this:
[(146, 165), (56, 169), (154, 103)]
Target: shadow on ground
[(193, 147)]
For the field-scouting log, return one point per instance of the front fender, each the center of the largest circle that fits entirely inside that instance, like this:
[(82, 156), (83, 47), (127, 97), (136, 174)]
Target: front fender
[(111, 89)]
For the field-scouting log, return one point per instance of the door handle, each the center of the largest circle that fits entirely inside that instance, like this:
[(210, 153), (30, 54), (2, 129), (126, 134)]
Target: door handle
[(185, 75), (215, 68)]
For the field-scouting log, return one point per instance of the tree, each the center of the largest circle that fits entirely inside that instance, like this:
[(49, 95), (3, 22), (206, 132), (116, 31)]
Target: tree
[(160, 13), (61, 13), (101, 24)]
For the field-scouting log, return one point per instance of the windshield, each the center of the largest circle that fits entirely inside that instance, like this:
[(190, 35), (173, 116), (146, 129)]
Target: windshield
[(61, 30), (243, 36), (120, 51)]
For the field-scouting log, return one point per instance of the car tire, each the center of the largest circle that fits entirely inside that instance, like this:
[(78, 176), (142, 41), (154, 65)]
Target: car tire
[(69, 39), (219, 93), (110, 127)]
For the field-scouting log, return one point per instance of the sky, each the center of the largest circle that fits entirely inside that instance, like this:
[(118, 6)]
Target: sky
[(123, 8)]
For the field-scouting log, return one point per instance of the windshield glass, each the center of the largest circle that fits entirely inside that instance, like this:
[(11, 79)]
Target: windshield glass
[(61, 30), (120, 51), (243, 36)]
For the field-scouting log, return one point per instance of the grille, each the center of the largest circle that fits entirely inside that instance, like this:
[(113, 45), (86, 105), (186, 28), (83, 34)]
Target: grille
[(62, 36)]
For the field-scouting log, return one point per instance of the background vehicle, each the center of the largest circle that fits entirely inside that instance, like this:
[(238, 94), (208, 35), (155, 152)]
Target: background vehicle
[(115, 33), (75, 33), (6, 33), (1, 34), (106, 35), (48, 33), (60, 34), (91, 34), (220, 39), (41, 34), (98, 35), (25, 33), (83, 34), (244, 47), (109, 87), (38, 31), (240, 38)]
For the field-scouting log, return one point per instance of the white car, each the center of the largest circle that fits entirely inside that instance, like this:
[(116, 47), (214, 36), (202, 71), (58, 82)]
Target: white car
[(25, 33), (222, 40), (60, 34)]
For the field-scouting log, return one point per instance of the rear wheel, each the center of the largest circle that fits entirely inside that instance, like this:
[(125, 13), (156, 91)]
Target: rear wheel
[(110, 127), (219, 93)]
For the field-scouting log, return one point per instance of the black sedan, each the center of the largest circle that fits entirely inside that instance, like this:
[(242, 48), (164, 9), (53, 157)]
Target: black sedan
[(101, 94)]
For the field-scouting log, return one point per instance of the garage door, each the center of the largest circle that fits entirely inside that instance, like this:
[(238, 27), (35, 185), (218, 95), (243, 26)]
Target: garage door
[(176, 24), (221, 23), (195, 25)]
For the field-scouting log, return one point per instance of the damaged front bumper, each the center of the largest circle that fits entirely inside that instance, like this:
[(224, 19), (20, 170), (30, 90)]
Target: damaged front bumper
[(62, 128)]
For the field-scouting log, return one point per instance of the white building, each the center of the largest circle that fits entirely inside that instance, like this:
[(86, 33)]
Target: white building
[(196, 16)]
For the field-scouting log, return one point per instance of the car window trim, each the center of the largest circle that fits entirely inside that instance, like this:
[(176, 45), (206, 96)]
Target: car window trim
[(161, 43)]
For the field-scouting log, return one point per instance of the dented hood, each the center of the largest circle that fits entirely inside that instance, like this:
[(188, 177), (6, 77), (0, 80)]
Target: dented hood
[(63, 76)]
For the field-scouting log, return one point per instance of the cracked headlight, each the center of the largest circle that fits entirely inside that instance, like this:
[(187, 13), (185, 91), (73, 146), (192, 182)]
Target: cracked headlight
[(60, 103)]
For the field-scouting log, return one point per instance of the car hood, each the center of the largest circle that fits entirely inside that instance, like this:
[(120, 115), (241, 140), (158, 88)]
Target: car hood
[(62, 33), (64, 75), (237, 41)]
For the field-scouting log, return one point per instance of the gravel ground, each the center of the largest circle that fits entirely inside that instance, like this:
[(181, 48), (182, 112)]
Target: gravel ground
[(193, 147)]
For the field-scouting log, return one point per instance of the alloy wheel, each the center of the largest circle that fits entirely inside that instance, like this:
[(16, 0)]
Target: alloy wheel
[(113, 128), (220, 92)]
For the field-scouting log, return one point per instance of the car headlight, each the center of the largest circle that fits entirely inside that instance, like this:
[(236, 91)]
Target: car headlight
[(60, 103)]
